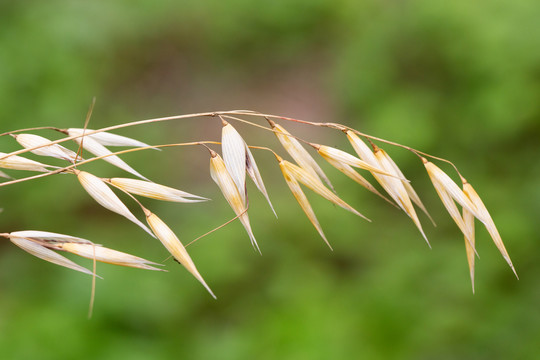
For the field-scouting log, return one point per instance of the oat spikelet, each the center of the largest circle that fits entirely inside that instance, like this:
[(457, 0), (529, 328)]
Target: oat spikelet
[(98, 190), (299, 153), (16, 162), (442, 181), (226, 184), (488, 222), (255, 175), (340, 156), (49, 237), (365, 153), (239, 160), (396, 189), (109, 139), (410, 190), (302, 200), (106, 255), (234, 155), (47, 254), (468, 220), (29, 141), (171, 242), (97, 149), (314, 184), (454, 212), (154, 191), (350, 172)]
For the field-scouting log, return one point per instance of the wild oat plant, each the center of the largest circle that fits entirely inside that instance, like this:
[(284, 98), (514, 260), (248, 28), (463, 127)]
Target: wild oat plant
[(228, 171)]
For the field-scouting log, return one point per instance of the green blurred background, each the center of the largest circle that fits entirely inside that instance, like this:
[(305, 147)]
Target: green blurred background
[(458, 79)]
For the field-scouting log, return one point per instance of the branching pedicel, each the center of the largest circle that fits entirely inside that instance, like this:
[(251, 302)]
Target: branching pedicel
[(229, 173)]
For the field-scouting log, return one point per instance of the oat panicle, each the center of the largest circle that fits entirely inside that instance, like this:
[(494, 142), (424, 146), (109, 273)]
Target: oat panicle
[(230, 171)]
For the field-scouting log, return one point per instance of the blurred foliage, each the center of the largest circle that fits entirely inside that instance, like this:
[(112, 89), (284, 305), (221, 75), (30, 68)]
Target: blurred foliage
[(460, 80)]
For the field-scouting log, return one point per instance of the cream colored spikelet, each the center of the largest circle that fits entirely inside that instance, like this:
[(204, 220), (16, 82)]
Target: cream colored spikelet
[(353, 174), (110, 139), (239, 160), (49, 237), (234, 155), (46, 254), (299, 153), (454, 212), (99, 150), (410, 190), (109, 256), (220, 175), (468, 221), (104, 196), (171, 242), (154, 191), (396, 189), (442, 180), (302, 200), (488, 222), (314, 184), (340, 156), (16, 162), (44, 147)]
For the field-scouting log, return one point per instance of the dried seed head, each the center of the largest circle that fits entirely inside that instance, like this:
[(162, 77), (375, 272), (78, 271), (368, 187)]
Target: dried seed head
[(47, 254), (340, 156), (234, 156), (29, 141), (488, 222), (171, 242), (97, 149), (109, 139), (395, 188), (255, 175), (97, 189), (225, 182), (154, 191), (302, 200), (410, 190), (442, 181), (468, 221), (350, 172), (239, 160), (16, 162), (109, 256), (49, 237), (363, 151), (299, 154), (454, 212), (314, 184)]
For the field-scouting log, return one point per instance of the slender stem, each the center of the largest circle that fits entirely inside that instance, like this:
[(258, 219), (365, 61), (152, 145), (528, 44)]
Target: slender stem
[(155, 120), (114, 127), (255, 113), (267, 129), (228, 114), (246, 122)]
